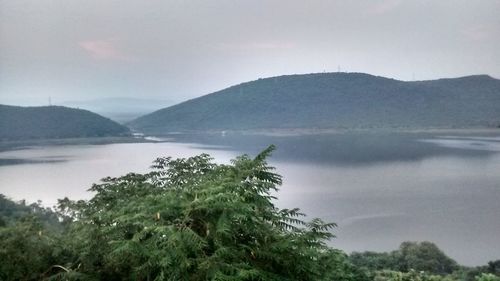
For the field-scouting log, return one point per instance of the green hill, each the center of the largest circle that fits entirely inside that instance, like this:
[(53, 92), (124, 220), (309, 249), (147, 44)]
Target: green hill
[(335, 100), (54, 122)]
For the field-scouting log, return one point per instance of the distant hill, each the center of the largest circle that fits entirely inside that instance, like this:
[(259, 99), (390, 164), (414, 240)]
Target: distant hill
[(335, 100), (120, 109), (54, 122)]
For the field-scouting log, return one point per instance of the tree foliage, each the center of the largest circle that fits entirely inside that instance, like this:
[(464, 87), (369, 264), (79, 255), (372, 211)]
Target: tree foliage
[(27, 250), (487, 277), (192, 219), (424, 256), (419, 256)]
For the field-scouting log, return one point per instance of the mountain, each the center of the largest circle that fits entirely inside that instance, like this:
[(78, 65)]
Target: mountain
[(120, 109), (54, 122), (335, 100)]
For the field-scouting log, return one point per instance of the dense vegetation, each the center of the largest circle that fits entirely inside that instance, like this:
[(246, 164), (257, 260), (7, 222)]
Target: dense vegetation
[(11, 212), (420, 261), (54, 122), (335, 100), (192, 219)]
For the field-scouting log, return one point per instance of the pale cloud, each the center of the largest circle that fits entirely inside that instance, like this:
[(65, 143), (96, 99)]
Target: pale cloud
[(383, 6), (356, 219), (251, 46), (104, 50), (158, 48), (478, 32)]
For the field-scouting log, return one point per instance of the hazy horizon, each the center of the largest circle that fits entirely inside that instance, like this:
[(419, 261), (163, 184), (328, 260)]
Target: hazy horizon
[(84, 100), (178, 50)]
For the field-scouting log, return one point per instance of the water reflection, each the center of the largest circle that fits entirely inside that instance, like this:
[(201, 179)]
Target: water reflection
[(347, 148), (381, 189)]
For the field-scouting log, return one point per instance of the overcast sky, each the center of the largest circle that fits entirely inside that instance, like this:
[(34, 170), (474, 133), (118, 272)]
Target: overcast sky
[(180, 49)]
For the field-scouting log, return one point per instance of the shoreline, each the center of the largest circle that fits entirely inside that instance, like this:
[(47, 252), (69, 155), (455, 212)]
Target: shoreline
[(278, 132)]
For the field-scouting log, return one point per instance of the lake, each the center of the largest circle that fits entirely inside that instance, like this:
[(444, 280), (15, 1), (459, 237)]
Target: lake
[(380, 188)]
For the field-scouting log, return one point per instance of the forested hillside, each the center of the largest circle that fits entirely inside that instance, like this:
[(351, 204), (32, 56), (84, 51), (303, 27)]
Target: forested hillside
[(54, 122), (335, 100)]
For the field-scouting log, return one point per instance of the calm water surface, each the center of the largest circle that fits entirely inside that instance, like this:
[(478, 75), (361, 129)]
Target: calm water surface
[(381, 189)]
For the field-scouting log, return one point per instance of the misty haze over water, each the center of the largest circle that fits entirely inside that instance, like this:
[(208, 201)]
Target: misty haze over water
[(380, 188)]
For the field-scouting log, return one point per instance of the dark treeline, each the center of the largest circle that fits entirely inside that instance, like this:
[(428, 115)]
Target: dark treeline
[(414, 258), (191, 219), (54, 122)]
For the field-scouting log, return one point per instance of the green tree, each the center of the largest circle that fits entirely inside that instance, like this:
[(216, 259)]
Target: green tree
[(27, 249), (424, 256), (494, 267), (373, 260), (487, 277), (192, 219), (411, 257)]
